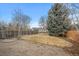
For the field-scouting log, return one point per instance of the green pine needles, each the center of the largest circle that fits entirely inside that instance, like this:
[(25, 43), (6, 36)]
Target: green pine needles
[(58, 22)]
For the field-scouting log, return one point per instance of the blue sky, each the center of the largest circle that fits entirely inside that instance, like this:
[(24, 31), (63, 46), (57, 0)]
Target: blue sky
[(34, 10)]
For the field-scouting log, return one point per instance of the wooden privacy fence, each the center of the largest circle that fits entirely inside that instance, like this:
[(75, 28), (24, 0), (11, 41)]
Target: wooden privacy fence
[(4, 34)]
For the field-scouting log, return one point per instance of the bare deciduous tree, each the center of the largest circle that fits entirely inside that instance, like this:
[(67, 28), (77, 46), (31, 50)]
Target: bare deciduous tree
[(43, 22), (20, 20)]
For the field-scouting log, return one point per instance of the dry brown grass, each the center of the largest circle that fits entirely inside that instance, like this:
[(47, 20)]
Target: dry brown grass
[(46, 39)]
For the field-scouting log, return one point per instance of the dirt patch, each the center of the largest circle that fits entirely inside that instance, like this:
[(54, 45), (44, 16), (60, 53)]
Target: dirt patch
[(74, 50), (7, 40), (28, 48)]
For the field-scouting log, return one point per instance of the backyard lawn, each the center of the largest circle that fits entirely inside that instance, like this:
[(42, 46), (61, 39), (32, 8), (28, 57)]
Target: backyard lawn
[(39, 44), (46, 39)]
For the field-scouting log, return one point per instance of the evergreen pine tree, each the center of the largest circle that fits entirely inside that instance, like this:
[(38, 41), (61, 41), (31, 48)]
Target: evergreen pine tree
[(58, 22)]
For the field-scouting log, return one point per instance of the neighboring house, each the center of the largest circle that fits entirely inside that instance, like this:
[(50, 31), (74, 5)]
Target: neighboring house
[(42, 30)]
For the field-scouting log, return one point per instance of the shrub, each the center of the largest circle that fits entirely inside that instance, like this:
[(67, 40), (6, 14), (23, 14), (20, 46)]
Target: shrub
[(35, 31), (73, 35)]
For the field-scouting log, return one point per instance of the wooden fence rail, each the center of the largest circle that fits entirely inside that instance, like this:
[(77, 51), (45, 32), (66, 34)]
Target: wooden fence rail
[(10, 34)]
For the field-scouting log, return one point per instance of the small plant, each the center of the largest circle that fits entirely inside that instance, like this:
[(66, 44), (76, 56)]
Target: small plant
[(35, 31)]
